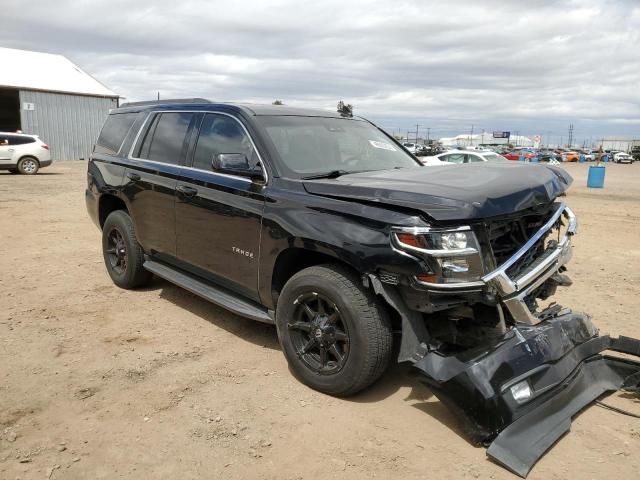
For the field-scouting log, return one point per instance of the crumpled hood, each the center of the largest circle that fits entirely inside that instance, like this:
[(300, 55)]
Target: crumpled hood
[(455, 192)]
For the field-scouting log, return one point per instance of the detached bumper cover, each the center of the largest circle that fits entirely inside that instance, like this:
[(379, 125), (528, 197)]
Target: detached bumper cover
[(560, 360)]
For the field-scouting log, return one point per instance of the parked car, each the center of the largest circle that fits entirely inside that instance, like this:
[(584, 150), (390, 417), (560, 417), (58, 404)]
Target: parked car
[(414, 148), (635, 153), (431, 150), (611, 154), (548, 155), (469, 156), (326, 227), (433, 161), (622, 157), (515, 154), (570, 156), (21, 153)]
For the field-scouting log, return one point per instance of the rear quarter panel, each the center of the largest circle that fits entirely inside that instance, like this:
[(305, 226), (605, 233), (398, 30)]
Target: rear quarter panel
[(103, 177)]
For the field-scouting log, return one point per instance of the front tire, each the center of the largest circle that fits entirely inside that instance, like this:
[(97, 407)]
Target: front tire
[(28, 166), (122, 253), (334, 333)]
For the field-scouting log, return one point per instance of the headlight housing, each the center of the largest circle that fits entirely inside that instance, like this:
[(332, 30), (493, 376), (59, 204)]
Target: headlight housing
[(453, 255)]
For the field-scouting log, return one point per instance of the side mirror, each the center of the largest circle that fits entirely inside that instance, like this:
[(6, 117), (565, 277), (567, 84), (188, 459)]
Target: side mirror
[(235, 164)]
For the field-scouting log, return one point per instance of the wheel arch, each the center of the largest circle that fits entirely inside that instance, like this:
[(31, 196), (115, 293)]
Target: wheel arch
[(294, 259), (107, 204), (28, 155)]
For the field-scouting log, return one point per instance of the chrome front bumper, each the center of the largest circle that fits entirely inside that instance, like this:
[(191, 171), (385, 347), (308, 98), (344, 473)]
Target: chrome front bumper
[(513, 291)]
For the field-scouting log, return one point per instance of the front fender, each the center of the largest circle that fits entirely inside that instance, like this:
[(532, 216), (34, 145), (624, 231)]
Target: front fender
[(352, 233)]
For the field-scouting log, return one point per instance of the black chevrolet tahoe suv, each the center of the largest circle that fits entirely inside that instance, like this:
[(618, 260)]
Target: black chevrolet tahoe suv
[(327, 227)]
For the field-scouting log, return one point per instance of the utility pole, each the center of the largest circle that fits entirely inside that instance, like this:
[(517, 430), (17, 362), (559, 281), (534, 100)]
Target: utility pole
[(570, 135), (417, 126), (471, 136), (158, 95), (428, 132)]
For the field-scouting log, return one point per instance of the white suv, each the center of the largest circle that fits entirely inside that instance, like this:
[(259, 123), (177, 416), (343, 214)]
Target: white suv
[(20, 153)]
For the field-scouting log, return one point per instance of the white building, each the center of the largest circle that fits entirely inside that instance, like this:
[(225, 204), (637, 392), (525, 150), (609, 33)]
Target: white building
[(461, 141), (617, 143), (47, 95)]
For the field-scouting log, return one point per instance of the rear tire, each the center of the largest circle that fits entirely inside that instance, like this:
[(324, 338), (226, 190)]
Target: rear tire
[(28, 166), (334, 333), (122, 253)]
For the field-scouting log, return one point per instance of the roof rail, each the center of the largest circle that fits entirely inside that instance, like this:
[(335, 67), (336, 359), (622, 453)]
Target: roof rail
[(162, 102)]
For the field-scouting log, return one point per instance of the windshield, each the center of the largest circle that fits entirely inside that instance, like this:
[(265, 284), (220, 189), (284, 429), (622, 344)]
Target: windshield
[(492, 157), (311, 146)]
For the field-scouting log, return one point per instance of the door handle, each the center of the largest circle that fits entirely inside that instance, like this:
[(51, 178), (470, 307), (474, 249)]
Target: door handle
[(134, 177), (186, 191)]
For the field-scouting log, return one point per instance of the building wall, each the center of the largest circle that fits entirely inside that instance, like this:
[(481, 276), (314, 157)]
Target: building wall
[(69, 124), (617, 144), (462, 141)]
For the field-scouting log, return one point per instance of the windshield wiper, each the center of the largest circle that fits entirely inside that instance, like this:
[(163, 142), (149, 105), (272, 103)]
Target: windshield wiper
[(331, 174)]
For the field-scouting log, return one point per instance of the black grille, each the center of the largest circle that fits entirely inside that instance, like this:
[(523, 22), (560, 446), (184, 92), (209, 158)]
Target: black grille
[(506, 236)]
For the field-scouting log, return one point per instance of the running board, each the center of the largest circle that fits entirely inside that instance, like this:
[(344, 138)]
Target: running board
[(218, 295)]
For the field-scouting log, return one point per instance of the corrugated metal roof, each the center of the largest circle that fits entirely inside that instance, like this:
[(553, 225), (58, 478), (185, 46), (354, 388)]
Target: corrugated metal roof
[(48, 72)]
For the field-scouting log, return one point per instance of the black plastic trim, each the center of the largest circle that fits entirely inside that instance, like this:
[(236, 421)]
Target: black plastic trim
[(560, 359), (521, 444)]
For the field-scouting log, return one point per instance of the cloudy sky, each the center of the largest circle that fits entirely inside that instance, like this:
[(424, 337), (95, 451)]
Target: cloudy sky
[(533, 67)]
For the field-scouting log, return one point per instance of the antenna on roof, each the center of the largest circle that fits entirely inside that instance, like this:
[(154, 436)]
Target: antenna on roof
[(345, 110)]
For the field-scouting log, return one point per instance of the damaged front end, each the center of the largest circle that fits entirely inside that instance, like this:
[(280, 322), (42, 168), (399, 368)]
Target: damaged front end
[(515, 388), (519, 395)]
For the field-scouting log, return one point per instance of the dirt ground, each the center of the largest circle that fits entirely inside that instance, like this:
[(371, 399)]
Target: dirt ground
[(98, 382)]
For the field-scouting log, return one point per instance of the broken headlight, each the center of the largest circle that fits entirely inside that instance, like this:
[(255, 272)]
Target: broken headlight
[(453, 255)]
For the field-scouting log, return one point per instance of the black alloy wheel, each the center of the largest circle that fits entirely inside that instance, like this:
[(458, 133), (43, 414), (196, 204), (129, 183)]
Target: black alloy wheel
[(319, 334), (117, 251), (334, 332), (123, 255)]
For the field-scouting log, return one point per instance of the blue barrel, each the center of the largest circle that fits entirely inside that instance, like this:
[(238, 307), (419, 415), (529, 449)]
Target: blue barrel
[(583, 158), (596, 177)]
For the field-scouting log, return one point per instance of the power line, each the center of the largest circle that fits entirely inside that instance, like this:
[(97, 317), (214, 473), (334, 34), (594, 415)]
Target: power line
[(570, 135)]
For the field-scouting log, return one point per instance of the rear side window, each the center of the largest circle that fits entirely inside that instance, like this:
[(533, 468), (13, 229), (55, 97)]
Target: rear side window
[(220, 134), (113, 132), (164, 140), (19, 140), (455, 158)]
